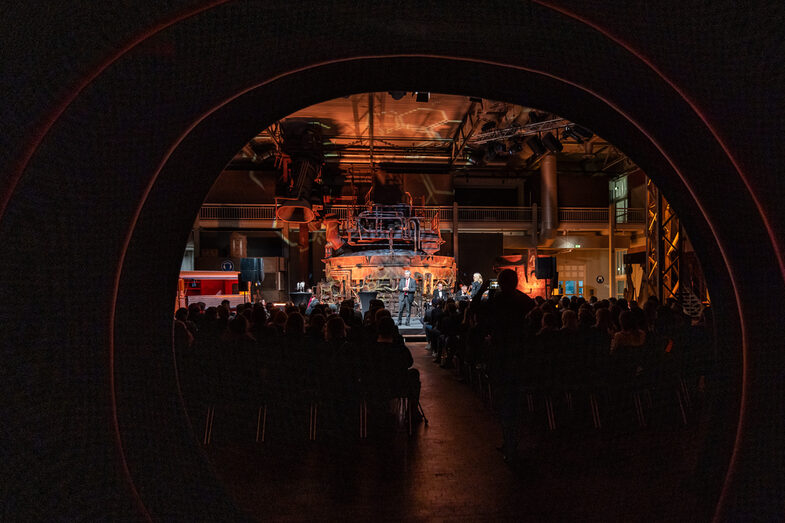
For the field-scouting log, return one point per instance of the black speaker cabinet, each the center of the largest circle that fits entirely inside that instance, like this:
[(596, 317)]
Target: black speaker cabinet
[(545, 267), (251, 269)]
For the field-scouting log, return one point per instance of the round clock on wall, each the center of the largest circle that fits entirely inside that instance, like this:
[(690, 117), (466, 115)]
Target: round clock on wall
[(600, 279)]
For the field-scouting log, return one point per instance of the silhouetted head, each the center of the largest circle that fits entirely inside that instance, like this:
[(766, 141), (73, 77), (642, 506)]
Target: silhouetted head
[(550, 321), (627, 321), (238, 326), (295, 324), (181, 314), (585, 318), (508, 280), (385, 328), (569, 320), (382, 313), (316, 323), (335, 329)]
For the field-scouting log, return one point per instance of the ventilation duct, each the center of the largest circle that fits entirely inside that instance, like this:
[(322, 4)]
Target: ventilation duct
[(549, 197), (302, 142)]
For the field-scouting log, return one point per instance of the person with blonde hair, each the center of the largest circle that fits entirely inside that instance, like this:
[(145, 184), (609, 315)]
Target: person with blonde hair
[(476, 284)]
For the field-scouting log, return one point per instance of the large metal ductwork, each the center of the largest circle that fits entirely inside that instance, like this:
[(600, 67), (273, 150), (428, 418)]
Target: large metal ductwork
[(549, 198), (303, 143), (333, 235)]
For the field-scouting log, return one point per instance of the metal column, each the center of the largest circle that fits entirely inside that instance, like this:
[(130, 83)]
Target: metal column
[(455, 232), (663, 246), (611, 258)]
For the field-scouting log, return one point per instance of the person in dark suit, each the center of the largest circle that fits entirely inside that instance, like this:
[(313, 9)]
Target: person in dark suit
[(440, 294), (406, 288)]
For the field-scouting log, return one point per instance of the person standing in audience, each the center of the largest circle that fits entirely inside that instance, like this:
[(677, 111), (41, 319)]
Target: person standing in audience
[(508, 308)]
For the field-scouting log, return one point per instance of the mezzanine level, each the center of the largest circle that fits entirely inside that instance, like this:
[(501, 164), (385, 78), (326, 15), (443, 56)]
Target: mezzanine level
[(469, 219)]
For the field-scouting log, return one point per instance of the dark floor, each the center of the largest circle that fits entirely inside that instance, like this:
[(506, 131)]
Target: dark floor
[(451, 470)]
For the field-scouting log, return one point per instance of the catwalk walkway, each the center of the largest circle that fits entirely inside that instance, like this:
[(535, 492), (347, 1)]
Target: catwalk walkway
[(451, 470)]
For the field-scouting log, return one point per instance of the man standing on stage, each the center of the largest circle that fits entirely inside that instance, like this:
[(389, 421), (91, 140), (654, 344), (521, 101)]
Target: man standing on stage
[(406, 288)]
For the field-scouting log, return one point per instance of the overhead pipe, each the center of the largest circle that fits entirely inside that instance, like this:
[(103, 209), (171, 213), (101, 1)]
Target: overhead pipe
[(549, 198)]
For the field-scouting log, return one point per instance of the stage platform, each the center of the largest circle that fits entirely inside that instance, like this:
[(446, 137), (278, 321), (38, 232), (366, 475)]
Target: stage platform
[(413, 331)]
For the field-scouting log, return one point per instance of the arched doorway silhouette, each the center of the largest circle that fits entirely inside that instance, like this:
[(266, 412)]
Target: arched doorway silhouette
[(119, 173)]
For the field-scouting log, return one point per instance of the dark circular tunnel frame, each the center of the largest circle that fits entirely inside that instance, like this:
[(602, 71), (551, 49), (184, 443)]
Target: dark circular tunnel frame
[(410, 71), (293, 76)]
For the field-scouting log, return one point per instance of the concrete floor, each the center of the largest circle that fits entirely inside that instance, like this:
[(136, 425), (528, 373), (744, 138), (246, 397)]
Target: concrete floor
[(451, 470)]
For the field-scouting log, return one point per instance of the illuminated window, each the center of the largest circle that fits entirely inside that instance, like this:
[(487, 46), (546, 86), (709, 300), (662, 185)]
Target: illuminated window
[(571, 278)]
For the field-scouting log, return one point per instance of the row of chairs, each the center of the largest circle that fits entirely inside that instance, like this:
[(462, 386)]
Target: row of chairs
[(403, 408), (662, 387)]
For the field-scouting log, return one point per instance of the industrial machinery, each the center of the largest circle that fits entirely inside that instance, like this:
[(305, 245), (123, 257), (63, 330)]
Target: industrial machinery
[(370, 249)]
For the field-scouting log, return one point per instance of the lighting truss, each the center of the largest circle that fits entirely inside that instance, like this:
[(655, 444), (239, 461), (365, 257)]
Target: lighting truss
[(523, 130)]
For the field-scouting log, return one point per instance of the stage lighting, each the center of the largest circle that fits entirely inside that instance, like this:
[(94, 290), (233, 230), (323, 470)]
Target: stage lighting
[(488, 126), (397, 95), (536, 145), (582, 132), (569, 132), (552, 143), (422, 97)]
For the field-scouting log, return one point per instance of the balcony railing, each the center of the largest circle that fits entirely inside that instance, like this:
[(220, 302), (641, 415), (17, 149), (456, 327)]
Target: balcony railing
[(237, 212), (520, 215)]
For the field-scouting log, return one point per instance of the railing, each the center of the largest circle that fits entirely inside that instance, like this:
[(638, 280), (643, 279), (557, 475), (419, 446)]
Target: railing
[(237, 212), (634, 215), (523, 215), (583, 214), (495, 214), (631, 215)]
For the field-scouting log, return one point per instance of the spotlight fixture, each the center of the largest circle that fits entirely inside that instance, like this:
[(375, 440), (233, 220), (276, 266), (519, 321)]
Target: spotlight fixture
[(397, 95), (569, 132), (422, 96), (536, 145), (488, 126), (583, 132), (552, 143)]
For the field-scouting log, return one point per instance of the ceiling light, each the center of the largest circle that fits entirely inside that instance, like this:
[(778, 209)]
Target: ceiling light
[(583, 132), (569, 132), (552, 143), (488, 126), (536, 145)]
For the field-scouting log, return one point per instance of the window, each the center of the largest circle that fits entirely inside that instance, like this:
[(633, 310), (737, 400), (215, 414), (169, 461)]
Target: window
[(620, 276), (620, 196), (620, 261), (571, 278)]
